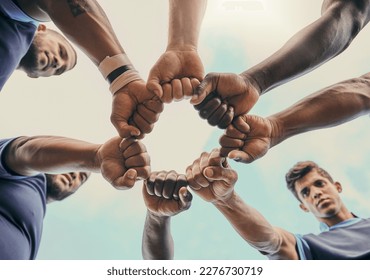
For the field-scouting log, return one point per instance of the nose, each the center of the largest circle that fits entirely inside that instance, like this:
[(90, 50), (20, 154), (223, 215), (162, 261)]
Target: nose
[(56, 62), (73, 175), (316, 193)]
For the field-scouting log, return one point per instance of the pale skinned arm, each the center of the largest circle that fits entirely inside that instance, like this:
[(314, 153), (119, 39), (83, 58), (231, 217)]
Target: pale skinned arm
[(178, 71), (250, 137), (213, 180), (165, 195), (86, 24), (29, 156), (314, 45)]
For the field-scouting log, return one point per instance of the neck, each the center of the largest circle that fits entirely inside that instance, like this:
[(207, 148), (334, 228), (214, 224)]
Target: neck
[(32, 9), (343, 215)]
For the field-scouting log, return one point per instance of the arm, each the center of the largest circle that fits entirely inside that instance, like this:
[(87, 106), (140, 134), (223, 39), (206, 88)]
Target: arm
[(165, 195), (317, 43), (85, 23), (29, 156), (212, 179), (180, 68), (250, 137)]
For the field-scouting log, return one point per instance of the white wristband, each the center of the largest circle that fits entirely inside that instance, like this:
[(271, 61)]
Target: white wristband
[(123, 80), (111, 63)]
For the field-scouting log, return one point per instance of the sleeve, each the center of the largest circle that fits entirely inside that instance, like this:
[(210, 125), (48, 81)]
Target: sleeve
[(5, 172), (303, 248)]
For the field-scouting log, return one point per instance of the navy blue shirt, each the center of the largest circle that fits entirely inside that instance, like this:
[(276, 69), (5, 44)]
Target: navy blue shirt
[(17, 32), (348, 240), (22, 211)]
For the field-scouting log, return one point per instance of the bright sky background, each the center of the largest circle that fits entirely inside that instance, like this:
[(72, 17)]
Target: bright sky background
[(99, 222)]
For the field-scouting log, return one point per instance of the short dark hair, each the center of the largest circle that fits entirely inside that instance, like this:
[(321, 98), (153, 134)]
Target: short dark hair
[(299, 170)]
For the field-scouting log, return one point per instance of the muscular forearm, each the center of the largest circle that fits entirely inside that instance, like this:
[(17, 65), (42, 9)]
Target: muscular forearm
[(157, 240), (85, 23), (250, 225), (50, 154), (314, 45), (184, 23), (331, 106)]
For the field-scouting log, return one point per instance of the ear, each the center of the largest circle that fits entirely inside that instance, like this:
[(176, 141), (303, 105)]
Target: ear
[(41, 27), (304, 208), (338, 186), (31, 75)]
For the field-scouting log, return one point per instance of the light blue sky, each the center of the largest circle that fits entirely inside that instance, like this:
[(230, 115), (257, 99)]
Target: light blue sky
[(100, 222)]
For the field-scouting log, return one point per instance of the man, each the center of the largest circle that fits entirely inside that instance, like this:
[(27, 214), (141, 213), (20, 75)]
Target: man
[(42, 169), (84, 22), (328, 36), (345, 235), (49, 54), (250, 137), (165, 195)]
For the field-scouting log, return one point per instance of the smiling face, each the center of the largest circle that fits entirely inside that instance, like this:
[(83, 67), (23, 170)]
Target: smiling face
[(61, 186), (319, 195), (49, 54)]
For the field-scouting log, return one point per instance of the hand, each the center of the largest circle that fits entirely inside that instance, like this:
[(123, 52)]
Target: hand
[(165, 193), (135, 110), (216, 112), (247, 139), (123, 166), (232, 89), (175, 75), (211, 177)]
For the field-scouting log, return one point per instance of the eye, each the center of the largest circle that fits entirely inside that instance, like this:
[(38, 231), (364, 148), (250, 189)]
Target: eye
[(319, 183), (305, 192)]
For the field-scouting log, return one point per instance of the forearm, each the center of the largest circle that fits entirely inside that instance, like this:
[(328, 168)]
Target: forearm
[(84, 23), (329, 107), (250, 225), (51, 154), (157, 241), (185, 20), (322, 40)]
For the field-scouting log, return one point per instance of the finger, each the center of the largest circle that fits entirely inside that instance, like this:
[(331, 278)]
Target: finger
[(147, 114), (126, 181), (215, 159), (153, 85), (177, 90), (149, 183), (158, 184), (207, 86), (124, 129), (227, 118), (198, 172), (224, 152), (241, 156), (217, 115), (227, 175), (204, 103), (211, 107), (241, 125), (227, 142), (126, 143), (185, 198), (143, 172), (154, 104), (167, 93), (134, 149), (139, 160), (232, 132), (169, 184), (187, 88), (180, 183), (190, 178), (144, 126)]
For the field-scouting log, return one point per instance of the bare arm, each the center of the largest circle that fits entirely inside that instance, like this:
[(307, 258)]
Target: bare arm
[(179, 69), (50, 154), (213, 180), (250, 137), (317, 43), (165, 195), (84, 23)]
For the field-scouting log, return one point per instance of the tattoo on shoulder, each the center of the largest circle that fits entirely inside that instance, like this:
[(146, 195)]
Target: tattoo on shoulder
[(78, 7)]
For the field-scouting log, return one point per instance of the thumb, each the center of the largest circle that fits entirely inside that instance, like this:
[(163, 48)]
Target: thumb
[(126, 181), (203, 90), (217, 173), (185, 198), (124, 129), (154, 86)]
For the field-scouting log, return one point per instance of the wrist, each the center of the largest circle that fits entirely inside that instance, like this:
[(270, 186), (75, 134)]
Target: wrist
[(278, 133), (253, 80), (182, 46), (226, 201)]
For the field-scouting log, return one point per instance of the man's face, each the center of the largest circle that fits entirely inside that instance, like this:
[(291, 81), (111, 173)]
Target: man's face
[(62, 185), (318, 195), (49, 54)]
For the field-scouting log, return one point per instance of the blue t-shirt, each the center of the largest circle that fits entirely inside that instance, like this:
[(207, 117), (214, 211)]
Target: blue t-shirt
[(22, 210), (348, 240), (17, 32)]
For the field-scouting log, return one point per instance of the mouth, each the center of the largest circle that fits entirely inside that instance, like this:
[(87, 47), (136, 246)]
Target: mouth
[(321, 201)]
